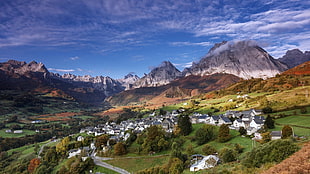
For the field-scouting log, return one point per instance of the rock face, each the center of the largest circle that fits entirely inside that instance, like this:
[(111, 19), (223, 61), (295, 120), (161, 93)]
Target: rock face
[(23, 68), (295, 57), (129, 80), (161, 75), (243, 58), (106, 85)]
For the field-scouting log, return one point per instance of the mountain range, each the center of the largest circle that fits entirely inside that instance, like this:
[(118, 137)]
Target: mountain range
[(224, 64)]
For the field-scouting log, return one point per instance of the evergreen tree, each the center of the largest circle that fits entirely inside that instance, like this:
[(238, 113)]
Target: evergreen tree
[(287, 131), (269, 123), (184, 124), (242, 131)]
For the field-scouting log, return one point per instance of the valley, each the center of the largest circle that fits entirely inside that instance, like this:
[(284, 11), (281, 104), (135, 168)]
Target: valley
[(156, 123)]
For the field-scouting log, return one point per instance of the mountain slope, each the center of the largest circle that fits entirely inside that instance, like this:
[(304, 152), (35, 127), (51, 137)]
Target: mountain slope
[(303, 69), (175, 91), (244, 59), (33, 78), (161, 75)]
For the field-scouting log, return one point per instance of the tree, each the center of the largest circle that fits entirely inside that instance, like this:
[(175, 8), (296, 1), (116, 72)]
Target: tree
[(266, 137), (287, 132), (303, 110), (119, 148), (228, 155), (267, 110), (34, 163), (269, 123), (242, 131), (205, 134), (224, 133), (62, 147), (154, 134), (208, 150), (101, 141), (176, 166), (184, 124)]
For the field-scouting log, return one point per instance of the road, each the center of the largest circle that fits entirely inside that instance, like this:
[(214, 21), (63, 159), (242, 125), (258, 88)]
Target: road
[(99, 162), (42, 147)]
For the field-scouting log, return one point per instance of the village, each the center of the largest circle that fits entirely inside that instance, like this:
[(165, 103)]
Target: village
[(250, 120)]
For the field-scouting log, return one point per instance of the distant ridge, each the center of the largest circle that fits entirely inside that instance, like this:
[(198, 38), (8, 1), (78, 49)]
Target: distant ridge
[(295, 57)]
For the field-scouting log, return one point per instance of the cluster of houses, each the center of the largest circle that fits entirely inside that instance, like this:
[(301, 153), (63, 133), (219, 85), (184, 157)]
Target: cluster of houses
[(250, 120), (118, 131)]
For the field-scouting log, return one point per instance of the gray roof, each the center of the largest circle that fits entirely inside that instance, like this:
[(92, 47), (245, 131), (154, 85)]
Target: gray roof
[(276, 133)]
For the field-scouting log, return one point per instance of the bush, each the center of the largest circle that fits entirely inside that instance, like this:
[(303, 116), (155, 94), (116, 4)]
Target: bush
[(228, 155), (274, 151), (208, 150)]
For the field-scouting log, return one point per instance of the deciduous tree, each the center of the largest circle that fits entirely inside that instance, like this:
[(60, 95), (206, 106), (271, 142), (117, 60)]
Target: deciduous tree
[(224, 135), (287, 132)]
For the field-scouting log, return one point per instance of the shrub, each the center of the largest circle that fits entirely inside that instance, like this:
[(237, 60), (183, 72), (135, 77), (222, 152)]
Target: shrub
[(228, 155), (208, 150), (274, 151)]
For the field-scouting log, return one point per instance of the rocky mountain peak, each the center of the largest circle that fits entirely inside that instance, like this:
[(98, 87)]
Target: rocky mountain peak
[(295, 57), (244, 59), (161, 75), (22, 68)]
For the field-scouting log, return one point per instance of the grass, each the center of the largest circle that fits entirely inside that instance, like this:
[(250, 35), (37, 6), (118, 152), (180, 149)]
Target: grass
[(103, 170), (3, 134), (139, 163), (295, 120)]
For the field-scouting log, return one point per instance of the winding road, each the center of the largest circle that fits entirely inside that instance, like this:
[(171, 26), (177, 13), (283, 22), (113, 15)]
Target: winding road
[(99, 162)]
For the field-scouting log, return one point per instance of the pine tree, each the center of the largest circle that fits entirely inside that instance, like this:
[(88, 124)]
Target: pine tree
[(185, 124), (269, 122)]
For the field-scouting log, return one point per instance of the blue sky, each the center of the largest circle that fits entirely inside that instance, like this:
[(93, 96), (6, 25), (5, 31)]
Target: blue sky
[(115, 37)]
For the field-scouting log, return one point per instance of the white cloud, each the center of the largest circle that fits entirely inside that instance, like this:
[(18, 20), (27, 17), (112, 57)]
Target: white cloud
[(61, 70), (206, 44), (74, 58)]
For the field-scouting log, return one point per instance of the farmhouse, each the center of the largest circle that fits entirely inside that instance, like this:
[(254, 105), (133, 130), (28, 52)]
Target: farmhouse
[(203, 162)]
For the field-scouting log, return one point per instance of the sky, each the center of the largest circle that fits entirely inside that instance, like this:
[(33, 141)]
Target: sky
[(116, 37)]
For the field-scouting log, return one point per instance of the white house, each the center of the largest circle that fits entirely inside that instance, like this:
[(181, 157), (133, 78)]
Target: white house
[(224, 120), (275, 135), (257, 123), (74, 152), (214, 120), (238, 123), (80, 138), (205, 163), (18, 131)]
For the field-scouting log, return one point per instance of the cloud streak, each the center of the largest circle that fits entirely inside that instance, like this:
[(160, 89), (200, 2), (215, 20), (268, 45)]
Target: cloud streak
[(61, 70), (124, 24)]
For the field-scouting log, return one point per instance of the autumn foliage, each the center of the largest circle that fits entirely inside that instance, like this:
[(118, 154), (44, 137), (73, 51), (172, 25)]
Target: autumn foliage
[(34, 163), (298, 163)]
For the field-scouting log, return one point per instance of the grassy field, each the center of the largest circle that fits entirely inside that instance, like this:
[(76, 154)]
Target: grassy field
[(139, 163), (3, 134), (295, 120), (103, 170)]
